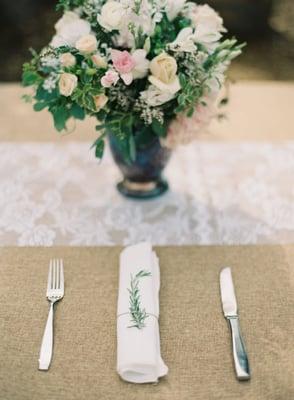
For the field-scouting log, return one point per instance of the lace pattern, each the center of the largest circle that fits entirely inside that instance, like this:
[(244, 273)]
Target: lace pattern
[(221, 193)]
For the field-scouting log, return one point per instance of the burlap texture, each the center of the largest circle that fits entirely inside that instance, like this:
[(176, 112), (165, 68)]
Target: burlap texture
[(195, 337), (257, 110)]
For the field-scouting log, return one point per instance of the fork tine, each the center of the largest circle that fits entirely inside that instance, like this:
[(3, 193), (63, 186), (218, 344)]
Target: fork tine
[(54, 274), (57, 274), (49, 282), (61, 276)]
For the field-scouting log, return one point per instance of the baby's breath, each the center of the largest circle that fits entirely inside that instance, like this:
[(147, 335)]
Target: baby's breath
[(49, 83), (120, 95), (148, 113)]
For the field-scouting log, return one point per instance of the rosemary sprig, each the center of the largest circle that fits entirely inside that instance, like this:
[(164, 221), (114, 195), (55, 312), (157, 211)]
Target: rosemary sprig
[(138, 314)]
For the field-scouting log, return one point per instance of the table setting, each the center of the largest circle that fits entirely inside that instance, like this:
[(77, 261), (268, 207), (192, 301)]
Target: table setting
[(149, 254), (195, 340)]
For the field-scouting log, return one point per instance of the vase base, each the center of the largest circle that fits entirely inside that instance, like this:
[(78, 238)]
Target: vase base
[(142, 190)]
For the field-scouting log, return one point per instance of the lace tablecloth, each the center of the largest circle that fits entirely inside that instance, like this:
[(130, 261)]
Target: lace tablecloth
[(221, 193)]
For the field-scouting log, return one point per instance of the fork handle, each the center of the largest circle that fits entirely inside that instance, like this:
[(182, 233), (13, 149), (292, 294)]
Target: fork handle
[(47, 342)]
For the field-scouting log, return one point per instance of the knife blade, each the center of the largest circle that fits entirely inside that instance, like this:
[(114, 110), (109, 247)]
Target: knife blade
[(230, 309)]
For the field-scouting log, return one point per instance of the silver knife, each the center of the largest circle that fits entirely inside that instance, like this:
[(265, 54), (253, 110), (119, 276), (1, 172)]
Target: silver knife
[(231, 314)]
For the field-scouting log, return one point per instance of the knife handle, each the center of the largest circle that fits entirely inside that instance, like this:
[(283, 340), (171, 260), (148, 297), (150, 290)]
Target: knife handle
[(239, 351)]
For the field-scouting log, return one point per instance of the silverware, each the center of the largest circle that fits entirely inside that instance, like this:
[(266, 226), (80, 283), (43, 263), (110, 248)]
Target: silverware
[(231, 314), (55, 292)]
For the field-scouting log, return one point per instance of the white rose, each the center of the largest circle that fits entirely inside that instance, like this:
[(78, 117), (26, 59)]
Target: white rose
[(111, 16), (173, 8), (100, 101), (155, 97), (67, 18), (67, 60), (208, 24), (171, 88), (67, 84), (164, 67), (99, 61), (86, 44), (69, 29), (164, 74)]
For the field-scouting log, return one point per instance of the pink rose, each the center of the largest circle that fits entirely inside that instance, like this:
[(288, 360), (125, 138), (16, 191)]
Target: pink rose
[(109, 79), (123, 61)]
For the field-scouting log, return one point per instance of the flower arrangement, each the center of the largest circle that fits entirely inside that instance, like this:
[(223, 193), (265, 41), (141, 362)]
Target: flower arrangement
[(141, 67)]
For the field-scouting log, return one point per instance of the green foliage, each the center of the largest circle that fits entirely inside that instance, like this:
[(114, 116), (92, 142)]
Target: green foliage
[(158, 128), (120, 127), (30, 78), (40, 106), (60, 116), (190, 95), (77, 112), (138, 314), (68, 4), (27, 98), (165, 33), (225, 52), (99, 145)]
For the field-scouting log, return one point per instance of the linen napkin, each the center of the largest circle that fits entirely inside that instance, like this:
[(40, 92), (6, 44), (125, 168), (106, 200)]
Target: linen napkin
[(138, 341)]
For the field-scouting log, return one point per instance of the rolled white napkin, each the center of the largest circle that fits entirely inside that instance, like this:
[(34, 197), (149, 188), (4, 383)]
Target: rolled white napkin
[(138, 342)]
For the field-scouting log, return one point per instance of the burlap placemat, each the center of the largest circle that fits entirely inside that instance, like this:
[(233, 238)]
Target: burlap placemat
[(257, 110), (194, 335)]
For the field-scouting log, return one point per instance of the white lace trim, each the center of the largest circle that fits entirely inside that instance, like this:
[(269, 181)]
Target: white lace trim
[(221, 193)]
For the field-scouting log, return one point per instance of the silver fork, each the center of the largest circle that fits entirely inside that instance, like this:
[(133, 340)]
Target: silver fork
[(55, 292)]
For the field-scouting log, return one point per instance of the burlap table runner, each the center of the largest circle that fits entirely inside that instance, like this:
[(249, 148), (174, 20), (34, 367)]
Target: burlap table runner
[(194, 335), (257, 110)]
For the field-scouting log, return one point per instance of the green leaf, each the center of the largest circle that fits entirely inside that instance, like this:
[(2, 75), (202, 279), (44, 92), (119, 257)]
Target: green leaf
[(90, 103), (190, 112), (30, 78), (99, 150), (44, 95), (158, 128), (101, 115), (27, 98), (100, 127), (77, 111), (60, 116), (40, 106), (183, 80)]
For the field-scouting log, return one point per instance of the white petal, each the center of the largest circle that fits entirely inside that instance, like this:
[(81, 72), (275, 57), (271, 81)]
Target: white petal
[(127, 78), (172, 88)]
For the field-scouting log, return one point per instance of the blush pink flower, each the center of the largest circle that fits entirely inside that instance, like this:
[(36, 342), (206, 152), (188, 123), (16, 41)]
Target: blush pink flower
[(184, 130), (109, 79), (124, 63)]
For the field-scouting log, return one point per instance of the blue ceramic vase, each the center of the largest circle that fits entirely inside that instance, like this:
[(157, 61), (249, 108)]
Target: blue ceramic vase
[(142, 178)]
